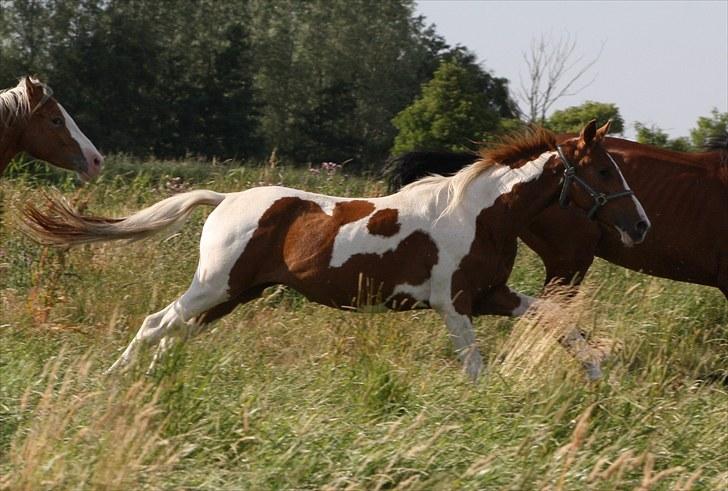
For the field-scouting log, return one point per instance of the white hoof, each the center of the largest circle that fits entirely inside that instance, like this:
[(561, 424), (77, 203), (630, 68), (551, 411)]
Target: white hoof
[(593, 371), (473, 365)]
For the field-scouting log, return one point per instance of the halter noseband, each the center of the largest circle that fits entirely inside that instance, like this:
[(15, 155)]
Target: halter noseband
[(600, 199)]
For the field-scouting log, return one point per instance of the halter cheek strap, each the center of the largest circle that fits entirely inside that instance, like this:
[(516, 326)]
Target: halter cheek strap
[(600, 199)]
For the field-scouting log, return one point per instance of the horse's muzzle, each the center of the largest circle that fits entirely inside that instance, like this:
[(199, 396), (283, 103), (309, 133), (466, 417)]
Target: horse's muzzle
[(635, 234), (89, 166)]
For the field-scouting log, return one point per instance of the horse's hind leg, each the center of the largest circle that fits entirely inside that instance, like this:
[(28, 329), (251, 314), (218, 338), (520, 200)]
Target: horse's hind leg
[(151, 331), (198, 299), (201, 321)]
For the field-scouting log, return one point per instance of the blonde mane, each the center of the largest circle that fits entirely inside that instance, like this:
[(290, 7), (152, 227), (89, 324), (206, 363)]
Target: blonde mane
[(15, 102), (510, 150)]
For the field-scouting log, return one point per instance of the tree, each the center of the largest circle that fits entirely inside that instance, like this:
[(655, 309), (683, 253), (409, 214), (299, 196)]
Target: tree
[(572, 119), (369, 58), (554, 69), (655, 136), (709, 126), (319, 80), (450, 113)]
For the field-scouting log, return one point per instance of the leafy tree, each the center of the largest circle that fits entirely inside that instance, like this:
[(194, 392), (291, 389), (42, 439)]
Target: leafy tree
[(320, 80), (450, 112), (714, 125), (572, 119), (370, 58), (495, 89), (655, 136)]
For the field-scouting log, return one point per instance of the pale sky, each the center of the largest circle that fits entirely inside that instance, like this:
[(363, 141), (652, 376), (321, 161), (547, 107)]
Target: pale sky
[(663, 62)]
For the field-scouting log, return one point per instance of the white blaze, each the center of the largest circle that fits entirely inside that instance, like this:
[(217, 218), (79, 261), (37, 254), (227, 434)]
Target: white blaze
[(89, 150)]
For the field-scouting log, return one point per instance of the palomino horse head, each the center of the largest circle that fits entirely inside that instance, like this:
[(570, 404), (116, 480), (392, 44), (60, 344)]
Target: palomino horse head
[(51, 134), (594, 182)]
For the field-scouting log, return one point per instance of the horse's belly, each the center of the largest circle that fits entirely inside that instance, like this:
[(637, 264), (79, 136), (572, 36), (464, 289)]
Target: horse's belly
[(673, 260)]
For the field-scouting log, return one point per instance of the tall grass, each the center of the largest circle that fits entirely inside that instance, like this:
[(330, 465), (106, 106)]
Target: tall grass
[(285, 394)]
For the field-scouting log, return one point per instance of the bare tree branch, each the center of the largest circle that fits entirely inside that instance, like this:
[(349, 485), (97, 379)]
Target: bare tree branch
[(553, 71)]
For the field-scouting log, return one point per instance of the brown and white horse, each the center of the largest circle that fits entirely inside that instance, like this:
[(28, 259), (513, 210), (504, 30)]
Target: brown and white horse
[(32, 121), (684, 194), (444, 243)]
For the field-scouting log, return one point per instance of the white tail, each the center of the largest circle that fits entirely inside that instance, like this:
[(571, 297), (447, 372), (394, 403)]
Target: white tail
[(64, 225)]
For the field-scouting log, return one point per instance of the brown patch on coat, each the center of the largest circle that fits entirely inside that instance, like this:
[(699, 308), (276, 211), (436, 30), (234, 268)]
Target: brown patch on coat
[(478, 286), (384, 223), (488, 263), (293, 245)]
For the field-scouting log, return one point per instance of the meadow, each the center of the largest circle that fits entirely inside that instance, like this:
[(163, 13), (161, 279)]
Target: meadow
[(286, 394)]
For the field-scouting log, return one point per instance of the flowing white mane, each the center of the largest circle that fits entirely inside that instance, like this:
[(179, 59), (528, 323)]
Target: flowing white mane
[(455, 185), (14, 103), (531, 143)]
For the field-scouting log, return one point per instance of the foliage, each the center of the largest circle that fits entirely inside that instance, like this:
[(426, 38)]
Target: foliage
[(318, 80), (653, 135), (709, 126), (572, 119), (452, 112), (285, 394)]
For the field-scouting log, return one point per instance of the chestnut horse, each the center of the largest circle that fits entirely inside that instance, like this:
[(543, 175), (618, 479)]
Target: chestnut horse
[(684, 194), (446, 243), (32, 121)]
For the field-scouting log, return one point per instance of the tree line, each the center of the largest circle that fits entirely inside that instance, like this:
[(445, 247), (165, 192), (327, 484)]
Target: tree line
[(321, 80), (318, 80)]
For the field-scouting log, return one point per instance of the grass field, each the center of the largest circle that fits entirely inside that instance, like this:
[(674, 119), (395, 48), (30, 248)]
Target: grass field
[(285, 394)]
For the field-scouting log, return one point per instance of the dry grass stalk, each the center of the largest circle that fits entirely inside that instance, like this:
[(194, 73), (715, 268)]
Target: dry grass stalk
[(115, 431), (532, 345)]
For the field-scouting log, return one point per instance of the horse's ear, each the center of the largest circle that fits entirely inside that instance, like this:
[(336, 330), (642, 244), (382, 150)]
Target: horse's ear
[(602, 132), (34, 89), (586, 138)]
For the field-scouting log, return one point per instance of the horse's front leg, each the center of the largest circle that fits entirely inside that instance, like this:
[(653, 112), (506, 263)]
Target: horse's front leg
[(462, 335), (502, 300), (463, 338)]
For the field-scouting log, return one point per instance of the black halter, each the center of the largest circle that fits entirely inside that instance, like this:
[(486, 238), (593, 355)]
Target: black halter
[(600, 199)]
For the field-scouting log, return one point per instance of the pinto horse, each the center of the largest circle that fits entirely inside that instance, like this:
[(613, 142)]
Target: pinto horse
[(446, 243), (32, 121), (684, 194)]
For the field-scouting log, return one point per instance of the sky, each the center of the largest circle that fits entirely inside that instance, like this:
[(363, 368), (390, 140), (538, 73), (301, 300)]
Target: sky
[(663, 63)]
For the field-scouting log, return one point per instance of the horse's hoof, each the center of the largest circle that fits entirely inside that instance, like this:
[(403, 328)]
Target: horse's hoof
[(593, 371)]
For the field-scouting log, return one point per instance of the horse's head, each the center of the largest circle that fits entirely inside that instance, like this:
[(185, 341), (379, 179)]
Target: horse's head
[(594, 182), (52, 135)]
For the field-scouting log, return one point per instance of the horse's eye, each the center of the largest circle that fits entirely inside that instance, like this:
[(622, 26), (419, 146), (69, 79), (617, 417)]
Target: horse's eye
[(604, 173), (57, 121)]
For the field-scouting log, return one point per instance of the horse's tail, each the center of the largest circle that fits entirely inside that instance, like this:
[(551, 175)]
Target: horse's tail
[(411, 166), (62, 224)]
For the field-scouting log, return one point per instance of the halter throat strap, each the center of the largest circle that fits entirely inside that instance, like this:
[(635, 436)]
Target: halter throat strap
[(599, 199)]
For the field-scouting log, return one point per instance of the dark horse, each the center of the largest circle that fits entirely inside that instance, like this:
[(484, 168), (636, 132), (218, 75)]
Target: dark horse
[(684, 194)]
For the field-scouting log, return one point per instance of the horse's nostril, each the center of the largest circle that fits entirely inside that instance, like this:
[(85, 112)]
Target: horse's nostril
[(641, 226)]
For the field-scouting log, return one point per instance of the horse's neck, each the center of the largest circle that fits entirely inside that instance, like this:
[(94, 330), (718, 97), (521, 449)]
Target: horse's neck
[(8, 145), (711, 159), (515, 195)]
